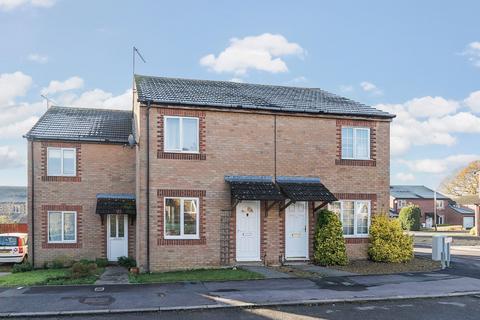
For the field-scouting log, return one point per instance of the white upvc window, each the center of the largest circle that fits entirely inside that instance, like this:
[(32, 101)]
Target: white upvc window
[(181, 218), (354, 215), (181, 134), (61, 162), (401, 203), (355, 143), (440, 204), (62, 227)]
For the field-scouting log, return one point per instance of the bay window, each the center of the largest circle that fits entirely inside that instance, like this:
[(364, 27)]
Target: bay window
[(181, 218), (354, 216)]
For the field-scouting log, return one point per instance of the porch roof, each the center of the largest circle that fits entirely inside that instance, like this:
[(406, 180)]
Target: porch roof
[(118, 203), (283, 188)]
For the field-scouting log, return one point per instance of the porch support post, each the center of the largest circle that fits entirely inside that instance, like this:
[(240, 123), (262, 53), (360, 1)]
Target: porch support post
[(270, 207), (290, 202), (320, 206)]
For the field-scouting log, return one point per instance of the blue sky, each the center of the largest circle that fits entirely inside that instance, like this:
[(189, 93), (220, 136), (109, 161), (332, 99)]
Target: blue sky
[(419, 59)]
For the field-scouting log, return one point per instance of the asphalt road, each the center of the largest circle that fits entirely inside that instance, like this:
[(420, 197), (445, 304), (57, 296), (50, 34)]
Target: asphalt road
[(464, 308)]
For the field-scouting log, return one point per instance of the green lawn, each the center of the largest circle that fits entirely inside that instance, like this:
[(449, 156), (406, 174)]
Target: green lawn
[(195, 275), (45, 277)]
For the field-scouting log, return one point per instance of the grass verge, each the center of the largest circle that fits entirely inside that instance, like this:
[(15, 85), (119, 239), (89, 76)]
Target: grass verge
[(195, 275), (46, 277)]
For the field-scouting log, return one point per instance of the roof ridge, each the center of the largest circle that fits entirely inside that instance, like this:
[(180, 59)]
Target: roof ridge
[(87, 108)]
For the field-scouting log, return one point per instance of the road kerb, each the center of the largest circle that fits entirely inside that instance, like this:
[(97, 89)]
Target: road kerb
[(226, 306)]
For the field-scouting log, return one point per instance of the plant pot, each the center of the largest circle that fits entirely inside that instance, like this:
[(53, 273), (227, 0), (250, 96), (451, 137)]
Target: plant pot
[(134, 270)]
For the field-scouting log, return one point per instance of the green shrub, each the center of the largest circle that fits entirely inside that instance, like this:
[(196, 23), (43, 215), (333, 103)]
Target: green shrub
[(329, 244), (101, 262), (127, 262), (80, 270), (473, 231), (388, 243), (59, 263), (22, 267), (410, 218)]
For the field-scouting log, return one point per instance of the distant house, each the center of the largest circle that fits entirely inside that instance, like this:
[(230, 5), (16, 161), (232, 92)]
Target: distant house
[(13, 204), (448, 211)]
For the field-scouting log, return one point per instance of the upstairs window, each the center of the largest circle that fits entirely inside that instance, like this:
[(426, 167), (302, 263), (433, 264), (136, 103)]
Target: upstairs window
[(61, 162), (181, 134), (401, 203), (356, 143), (440, 204)]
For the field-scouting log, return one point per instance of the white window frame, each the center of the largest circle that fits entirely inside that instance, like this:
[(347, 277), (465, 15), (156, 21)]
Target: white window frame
[(182, 219), (165, 130), (401, 203), (63, 225), (62, 174), (438, 202), (354, 143), (355, 234)]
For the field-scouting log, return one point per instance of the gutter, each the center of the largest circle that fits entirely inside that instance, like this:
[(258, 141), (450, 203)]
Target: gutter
[(32, 246)]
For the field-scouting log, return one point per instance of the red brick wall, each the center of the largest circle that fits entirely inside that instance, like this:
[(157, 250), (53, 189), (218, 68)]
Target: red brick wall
[(241, 143), (101, 168), (14, 228)]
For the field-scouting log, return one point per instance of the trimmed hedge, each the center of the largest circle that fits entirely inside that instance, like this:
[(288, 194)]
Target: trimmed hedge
[(410, 218), (388, 243), (329, 244)]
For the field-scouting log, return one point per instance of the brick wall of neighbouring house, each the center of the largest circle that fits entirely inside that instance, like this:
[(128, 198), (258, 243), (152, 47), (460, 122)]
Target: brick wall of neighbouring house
[(426, 207), (239, 143), (102, 168)]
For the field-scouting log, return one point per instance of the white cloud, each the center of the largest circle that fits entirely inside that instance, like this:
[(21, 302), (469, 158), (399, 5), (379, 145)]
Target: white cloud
[(431, 107), (7, 5), (61, 86), (426, 121), (473, 101), (439, 166), (405, 177), (39, 58), (262, 52), (9, 158), (98, 98), (13, 85), (370, 88), (239, 80), (473, 53)]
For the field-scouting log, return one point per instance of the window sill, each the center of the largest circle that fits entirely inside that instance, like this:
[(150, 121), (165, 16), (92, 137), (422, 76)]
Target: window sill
[(181, 155), (356, 162), (181, 242)]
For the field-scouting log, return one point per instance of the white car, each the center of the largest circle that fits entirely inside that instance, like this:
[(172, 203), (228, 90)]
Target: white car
[(13, 247)]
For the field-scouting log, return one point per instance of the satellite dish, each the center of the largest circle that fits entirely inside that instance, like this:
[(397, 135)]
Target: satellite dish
[(131, 140)]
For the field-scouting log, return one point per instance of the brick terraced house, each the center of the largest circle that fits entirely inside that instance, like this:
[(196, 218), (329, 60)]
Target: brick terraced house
[(205, 173), (448, 211)]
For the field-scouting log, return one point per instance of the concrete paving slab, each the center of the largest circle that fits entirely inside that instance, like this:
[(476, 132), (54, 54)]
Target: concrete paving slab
[(113, 275)]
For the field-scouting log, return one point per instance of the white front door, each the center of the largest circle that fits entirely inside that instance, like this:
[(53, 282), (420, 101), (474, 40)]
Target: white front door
[(296, 235), (117, 236), (248, 231), (428, 222)]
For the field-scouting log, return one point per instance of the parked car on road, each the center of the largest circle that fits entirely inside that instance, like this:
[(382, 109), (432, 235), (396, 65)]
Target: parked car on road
[(13, 247)]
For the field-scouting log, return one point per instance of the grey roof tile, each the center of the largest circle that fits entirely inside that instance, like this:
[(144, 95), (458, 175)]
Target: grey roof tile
[(414, 192), (82, 124), (227, 94)]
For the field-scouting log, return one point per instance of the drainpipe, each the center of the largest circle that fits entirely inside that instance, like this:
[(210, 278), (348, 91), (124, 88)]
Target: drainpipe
[(32, 242), (275, 148), (148, 187)]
